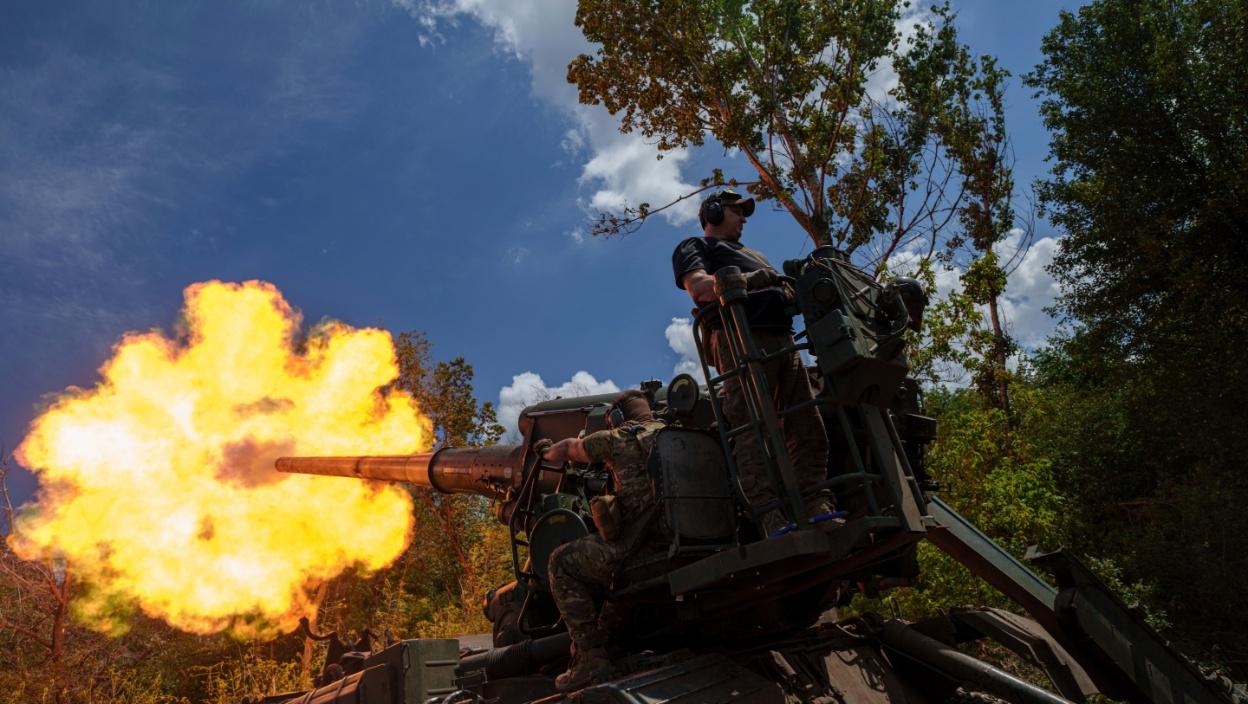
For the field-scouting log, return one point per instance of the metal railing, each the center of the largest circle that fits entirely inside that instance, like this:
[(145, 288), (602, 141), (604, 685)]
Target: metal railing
[(868, 433)]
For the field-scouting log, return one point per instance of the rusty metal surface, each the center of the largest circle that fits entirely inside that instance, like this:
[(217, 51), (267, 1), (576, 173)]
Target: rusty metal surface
[(488, 471)]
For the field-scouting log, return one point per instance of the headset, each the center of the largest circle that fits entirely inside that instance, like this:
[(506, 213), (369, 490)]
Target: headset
[(712, 211), (614, 417)]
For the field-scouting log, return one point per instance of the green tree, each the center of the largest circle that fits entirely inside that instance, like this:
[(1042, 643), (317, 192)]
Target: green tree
[(445, 394), (800, 88), (997, 478), (789, 83), (469, 554), (1147, 102), (977, 138)]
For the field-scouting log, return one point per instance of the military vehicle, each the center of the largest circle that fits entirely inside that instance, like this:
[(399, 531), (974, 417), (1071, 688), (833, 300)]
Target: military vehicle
[(721, 613)]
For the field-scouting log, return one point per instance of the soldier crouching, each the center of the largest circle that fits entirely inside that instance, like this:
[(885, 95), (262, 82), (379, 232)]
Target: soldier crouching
[(581, 571)]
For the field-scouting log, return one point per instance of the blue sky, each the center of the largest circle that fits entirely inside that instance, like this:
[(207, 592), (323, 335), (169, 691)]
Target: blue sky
[(396, 164)]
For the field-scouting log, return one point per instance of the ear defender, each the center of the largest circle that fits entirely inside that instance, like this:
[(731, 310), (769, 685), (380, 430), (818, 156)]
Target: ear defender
[(713, 212), (615, 417)]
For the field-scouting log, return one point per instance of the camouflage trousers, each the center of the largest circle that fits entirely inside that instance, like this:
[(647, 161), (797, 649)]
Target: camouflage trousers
[(580, 573), (804, 436)]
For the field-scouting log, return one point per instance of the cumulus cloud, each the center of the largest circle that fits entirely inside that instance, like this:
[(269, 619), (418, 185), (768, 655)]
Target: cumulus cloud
[(907, 261), (626, 171), (528, 388), (679, 334), (1030, 289), (622, 168)]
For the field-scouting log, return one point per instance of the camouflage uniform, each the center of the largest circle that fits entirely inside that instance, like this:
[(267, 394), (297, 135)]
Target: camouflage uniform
[(585, 567), (803, 431)]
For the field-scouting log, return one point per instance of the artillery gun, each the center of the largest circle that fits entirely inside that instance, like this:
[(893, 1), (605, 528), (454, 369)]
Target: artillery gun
[(721, 613)]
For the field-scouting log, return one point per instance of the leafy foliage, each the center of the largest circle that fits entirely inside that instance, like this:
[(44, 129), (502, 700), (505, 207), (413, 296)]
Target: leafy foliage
[(999, 480), (1123, 440), (792, 84), (1147, 103), (444, 392), (1148, 106), (803, 90)]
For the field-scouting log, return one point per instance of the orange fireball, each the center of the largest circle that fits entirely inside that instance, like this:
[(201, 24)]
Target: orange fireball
[(158, 488)]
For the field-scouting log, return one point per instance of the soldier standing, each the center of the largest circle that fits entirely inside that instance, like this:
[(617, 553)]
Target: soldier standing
[(695, 261), (584, 568)]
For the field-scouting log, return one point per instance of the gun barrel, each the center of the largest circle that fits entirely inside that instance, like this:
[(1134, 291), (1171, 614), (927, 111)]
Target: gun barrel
[(488, 471)]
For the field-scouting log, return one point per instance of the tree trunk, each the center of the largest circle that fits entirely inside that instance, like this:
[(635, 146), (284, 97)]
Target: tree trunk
[(447, 522), (999, 359)]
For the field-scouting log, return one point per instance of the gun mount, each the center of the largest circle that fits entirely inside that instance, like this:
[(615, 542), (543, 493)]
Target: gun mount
[(724, 614)]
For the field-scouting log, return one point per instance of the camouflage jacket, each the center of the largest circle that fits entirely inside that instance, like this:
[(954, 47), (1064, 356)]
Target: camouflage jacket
[(626, 452)]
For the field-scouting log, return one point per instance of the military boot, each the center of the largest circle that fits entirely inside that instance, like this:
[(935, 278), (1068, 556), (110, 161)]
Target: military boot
[(585, 666), (772, 522), (818, 508)]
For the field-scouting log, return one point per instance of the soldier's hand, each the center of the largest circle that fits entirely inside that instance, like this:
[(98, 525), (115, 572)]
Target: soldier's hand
[(763, 278), (564, 451), (557, 453), (790, 295)]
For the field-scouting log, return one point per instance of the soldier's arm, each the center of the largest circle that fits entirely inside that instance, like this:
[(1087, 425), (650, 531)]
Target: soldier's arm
[(567, 449), (700, 285)]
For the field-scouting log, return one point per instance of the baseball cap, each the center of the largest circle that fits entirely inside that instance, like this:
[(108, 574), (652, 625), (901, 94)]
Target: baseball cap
[(731, 197)]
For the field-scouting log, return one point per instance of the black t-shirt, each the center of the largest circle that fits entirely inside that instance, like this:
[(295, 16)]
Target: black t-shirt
[(764, 309)]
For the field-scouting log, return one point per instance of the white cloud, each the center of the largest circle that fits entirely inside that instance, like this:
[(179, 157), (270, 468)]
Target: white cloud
[(528, 388), (1029, 290), (573, 142), (679, 334), (628, 172), (906, 263), (622, 168), (542, 33)]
